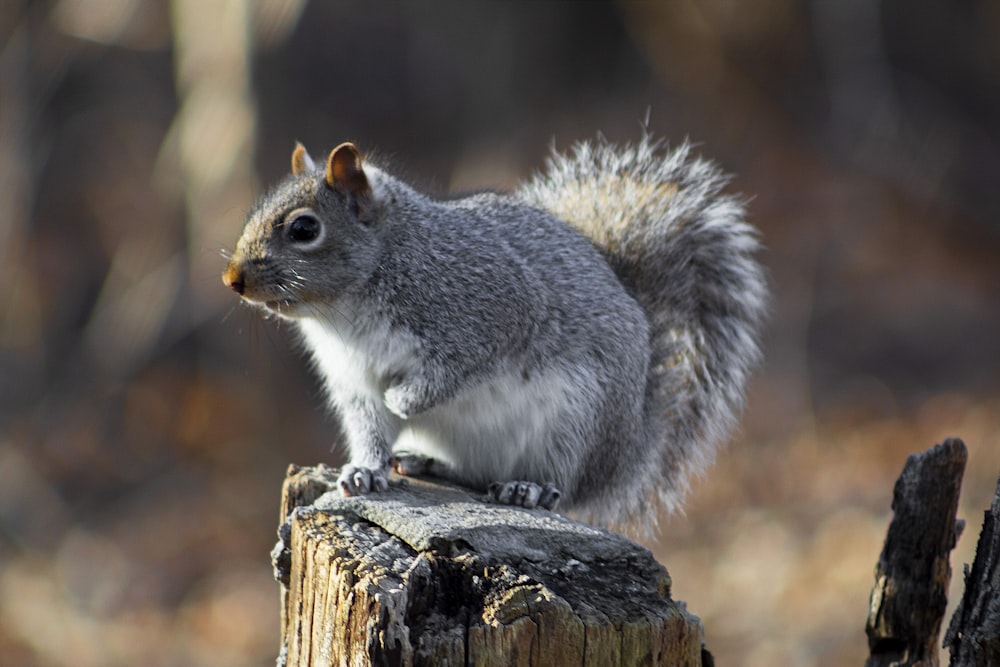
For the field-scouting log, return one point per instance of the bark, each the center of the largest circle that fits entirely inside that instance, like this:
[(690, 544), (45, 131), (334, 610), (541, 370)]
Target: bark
[(909, 596), (974, 634)]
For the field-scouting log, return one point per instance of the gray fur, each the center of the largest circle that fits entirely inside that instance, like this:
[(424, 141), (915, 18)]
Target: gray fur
[(601, 362), (684, 251)]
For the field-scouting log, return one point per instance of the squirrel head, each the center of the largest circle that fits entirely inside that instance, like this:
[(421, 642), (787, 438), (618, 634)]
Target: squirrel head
[(311, 238)]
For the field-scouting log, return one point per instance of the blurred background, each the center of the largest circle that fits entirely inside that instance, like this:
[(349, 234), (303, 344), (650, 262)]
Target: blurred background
[(146, 418)]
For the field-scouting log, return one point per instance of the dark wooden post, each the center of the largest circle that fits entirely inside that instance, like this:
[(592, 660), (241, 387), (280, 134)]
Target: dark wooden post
[(910, 592), (974, 634), (426, 574)]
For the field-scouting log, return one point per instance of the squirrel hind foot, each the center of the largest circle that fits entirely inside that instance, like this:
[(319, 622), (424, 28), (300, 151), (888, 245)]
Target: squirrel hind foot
[(525, 494)]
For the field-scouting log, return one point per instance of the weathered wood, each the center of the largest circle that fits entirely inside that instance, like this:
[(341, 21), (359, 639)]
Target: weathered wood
[(909, 596), (973, 636), (426, 574)]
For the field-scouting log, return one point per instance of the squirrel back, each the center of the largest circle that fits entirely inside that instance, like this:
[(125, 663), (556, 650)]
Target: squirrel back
[(588, 337), (683, 250)]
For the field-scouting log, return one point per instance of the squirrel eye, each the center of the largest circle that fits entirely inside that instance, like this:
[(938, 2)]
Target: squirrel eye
[(302, 229)]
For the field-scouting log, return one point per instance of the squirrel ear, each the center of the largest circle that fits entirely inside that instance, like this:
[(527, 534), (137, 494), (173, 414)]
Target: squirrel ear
[(344, 172), (301, 162)]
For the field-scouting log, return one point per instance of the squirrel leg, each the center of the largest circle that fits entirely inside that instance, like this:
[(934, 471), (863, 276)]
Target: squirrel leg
[(369, 431), (524, 494), (520, 494)]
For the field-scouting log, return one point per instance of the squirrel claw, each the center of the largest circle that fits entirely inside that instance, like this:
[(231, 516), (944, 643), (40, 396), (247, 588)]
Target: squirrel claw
[(359, 481), (525, 494)]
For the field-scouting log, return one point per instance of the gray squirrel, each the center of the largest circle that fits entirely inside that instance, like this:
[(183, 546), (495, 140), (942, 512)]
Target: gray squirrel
[(586, 339)]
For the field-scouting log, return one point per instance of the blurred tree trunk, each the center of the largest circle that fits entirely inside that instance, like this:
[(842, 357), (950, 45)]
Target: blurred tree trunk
[(213, 135), (20, 319), (426, 574)]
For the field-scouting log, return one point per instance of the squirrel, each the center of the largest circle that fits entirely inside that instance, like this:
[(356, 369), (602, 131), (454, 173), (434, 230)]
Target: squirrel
[(584, 340)]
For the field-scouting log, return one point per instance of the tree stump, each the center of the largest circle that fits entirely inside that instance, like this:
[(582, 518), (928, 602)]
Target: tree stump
[(426, 574), (973, 636), (910, 593)]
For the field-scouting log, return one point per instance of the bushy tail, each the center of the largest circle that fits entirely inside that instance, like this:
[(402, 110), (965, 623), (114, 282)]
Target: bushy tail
[(684, 251)]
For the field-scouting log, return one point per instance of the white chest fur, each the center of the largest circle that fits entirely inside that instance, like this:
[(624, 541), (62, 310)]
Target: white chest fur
[(357, 358)]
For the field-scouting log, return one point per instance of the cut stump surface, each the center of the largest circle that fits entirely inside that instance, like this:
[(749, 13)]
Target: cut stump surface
[(429, 574)]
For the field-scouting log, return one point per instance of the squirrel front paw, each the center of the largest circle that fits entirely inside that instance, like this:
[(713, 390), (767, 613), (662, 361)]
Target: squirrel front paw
[(411, 397), (409, 463), (401, 401), (524, 494), (412, 464), (358, 480)]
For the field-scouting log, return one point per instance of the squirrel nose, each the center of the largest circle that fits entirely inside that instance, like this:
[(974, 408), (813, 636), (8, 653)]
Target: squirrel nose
[(233, 279)]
